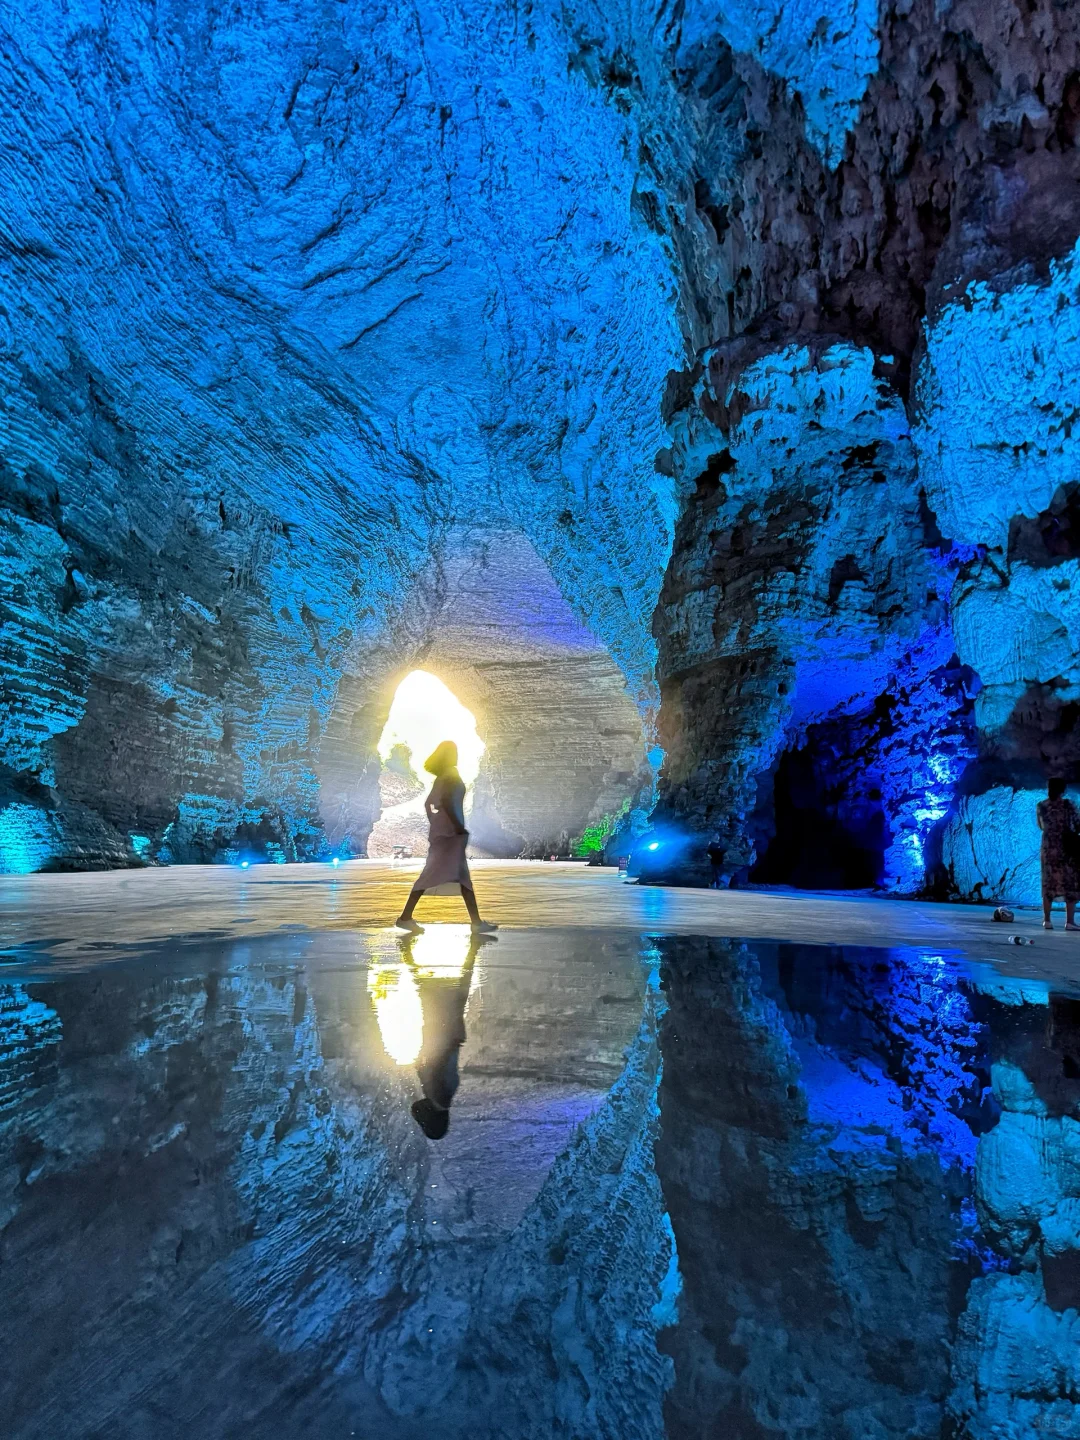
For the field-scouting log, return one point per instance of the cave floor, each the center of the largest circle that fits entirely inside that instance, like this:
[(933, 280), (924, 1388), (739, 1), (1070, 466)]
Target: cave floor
[(69, 916), (685, 1185)]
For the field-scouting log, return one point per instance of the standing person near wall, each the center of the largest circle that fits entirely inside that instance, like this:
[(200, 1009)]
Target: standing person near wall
[(447, 869), (1059, 822)]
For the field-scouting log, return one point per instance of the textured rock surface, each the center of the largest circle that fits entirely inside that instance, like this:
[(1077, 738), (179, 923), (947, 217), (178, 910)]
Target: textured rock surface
[(936, 240), (295, 309), (283, 296)]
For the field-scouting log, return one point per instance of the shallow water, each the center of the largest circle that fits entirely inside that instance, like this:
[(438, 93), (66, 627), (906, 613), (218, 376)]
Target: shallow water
[(689, 1188)]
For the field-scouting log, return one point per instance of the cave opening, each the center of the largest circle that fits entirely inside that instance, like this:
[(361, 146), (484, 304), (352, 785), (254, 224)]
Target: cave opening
[(828, 835), (423, 713)]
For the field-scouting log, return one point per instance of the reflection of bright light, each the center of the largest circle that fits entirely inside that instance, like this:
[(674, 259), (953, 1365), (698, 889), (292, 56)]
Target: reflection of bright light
[(397, 1009), (655, 845), (424, 712), (442, 949)]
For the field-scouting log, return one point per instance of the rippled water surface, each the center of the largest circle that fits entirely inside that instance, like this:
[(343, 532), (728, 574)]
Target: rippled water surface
[(687, 1188)]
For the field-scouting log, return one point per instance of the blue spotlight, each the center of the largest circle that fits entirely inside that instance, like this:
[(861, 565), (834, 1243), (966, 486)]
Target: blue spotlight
[(654, 846), (335, 861), (244, 864)]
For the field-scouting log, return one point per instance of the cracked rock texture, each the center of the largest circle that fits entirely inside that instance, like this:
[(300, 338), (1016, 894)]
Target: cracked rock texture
[(866, 643)]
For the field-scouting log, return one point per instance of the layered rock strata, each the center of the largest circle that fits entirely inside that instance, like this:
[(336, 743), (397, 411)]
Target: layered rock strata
[(283, 299), (871, 608)]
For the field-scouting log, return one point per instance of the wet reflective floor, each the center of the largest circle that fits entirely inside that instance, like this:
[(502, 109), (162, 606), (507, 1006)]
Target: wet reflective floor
[(565, 1183)]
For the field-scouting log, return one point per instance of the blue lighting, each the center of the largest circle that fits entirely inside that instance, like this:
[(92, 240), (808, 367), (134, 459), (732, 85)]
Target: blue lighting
[(335, 861), (26, 839), (244, 864), (654, 846)]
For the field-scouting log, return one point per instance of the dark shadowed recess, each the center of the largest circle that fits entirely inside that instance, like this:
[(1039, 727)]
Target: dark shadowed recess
[(828, 836)]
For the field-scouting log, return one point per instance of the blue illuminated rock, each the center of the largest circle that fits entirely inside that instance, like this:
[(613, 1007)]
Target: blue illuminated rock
[(775, 300), (282, 298)]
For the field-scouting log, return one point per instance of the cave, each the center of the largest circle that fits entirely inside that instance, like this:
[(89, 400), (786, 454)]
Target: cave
[(675, 407), (660, 428), (825, 838)]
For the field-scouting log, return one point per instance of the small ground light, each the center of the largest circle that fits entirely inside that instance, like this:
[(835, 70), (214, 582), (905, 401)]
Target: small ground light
[(244, 864), (655, 845), (335, 861)]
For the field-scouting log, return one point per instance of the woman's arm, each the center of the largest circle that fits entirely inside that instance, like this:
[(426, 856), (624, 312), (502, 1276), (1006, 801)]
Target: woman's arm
[(455, 807)]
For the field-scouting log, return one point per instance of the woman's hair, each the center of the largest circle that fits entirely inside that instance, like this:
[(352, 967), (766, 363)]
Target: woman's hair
[(442, 758), (1055, 787)]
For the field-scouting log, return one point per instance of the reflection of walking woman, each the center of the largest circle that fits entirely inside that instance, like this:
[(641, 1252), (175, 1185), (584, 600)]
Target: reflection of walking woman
[(447, 870), (442, 999), (1060, 825)]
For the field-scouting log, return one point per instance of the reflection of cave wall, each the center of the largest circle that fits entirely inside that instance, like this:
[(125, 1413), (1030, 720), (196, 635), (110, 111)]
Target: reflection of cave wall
[(565, 743), (872, 1166), (815, 1204), (246, 1233)]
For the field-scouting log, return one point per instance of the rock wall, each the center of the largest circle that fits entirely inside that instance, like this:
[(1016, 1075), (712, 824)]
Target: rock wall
[(866, 643), (779, 301), (284, 297)]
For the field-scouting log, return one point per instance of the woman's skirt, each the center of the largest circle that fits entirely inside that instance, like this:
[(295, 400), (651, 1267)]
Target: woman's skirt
[(1059, 874), (446, 870)]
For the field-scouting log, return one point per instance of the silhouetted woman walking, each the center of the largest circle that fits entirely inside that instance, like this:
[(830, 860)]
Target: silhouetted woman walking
[(1060, 853), (447, 870)]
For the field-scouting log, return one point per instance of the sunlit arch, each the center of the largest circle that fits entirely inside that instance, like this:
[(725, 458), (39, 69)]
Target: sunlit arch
[(424, 712)]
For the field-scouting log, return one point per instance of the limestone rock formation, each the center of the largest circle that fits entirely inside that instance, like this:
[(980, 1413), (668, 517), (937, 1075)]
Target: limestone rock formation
[(932, 246), (776, 300), (286, 296)]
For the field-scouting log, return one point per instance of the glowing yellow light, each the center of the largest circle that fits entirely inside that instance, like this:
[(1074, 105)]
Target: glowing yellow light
[(442, 949), (425, 712), (397, 1010)]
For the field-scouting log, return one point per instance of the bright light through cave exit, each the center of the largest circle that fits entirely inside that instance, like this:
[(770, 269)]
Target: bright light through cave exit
[(423, 713)]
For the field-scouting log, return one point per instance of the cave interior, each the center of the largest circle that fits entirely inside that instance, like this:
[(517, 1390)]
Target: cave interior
[(693, 394), (688, 396)]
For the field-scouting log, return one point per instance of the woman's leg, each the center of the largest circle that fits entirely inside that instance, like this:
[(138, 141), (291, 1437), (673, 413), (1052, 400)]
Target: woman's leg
[(468, 894), (1048, 901), (410, 904)]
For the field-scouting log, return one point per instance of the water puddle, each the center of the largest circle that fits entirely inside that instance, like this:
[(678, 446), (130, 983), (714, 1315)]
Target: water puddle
[(684, 1188)]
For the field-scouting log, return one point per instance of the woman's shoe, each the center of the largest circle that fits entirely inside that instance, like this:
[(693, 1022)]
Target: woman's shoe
[(1048, 925), (413, 928), (484, 927), (1070, 926)]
